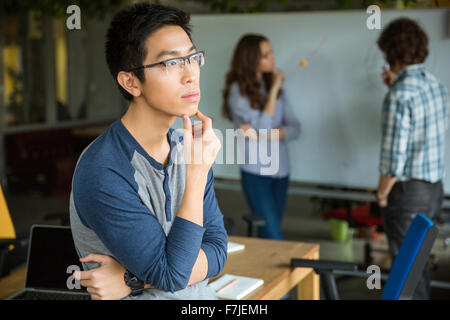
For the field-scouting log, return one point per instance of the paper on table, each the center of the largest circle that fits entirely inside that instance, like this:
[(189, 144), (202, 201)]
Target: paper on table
[(239, 289), (233, 247)]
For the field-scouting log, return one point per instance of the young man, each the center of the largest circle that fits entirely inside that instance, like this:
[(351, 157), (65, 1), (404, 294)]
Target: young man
[(414, 122), (132, 199)]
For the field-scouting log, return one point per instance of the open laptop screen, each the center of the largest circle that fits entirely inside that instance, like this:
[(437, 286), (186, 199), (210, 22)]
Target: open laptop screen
[(51, 252)]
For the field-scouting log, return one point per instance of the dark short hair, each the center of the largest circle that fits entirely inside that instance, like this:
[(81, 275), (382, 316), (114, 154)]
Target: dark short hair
[(404, 42), (130, 28)]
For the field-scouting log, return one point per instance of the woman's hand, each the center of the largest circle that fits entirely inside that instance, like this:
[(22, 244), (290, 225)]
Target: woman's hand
[(249, 131), (252, 134), (106, 282), (278, 78)]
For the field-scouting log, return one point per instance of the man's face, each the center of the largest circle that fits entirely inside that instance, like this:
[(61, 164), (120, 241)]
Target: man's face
[(176, 92)]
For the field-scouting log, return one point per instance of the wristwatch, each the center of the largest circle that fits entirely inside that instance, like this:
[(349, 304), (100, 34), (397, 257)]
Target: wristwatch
[(136, 285)]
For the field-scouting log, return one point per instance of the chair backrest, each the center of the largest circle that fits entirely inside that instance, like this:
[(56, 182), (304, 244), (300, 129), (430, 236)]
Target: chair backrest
[(6, 226), (411, 259)]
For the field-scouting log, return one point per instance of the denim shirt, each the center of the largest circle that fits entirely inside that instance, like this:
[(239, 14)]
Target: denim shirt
[(262, 156)]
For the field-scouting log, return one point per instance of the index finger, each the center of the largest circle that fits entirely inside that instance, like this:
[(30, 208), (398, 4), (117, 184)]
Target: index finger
[(206, 121), (82, 275)]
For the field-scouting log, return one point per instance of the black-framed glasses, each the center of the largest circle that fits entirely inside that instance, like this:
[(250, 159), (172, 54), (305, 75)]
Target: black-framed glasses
[(196, 60)]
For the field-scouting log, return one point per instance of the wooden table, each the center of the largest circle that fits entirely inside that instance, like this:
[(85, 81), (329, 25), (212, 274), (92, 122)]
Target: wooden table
[(270, 260), (265, 259), (12, 283)]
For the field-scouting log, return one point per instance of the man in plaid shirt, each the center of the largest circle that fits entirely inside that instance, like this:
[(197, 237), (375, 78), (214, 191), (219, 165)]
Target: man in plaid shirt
[(414, 122)]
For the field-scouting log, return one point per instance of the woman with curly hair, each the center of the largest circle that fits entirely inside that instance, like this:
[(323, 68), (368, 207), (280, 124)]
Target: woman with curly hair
[(414, 123), (255, 103)]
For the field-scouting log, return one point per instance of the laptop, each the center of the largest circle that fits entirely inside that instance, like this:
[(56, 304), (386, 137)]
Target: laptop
[(52, 259)]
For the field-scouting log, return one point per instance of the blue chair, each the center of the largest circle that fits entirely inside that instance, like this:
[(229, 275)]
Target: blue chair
[(406, 270)]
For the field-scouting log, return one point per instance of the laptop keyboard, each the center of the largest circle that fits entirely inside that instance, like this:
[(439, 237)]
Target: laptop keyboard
[(37, 295)]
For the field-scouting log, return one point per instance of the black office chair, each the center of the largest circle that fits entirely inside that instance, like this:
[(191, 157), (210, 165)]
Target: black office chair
[(253, 223), (444, 218), (229, 226), (406, 270)]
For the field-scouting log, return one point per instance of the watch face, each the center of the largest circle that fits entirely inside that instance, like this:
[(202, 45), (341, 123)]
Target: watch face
[(132, 281)]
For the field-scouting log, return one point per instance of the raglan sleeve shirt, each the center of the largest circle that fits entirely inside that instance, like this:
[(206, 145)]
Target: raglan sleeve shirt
[(107, 202), (215, 240)]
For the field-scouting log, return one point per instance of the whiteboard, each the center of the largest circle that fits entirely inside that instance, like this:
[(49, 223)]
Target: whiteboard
[(337, 97)]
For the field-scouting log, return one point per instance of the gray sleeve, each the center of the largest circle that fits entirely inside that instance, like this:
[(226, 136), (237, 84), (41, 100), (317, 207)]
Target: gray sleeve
[(243, 113), (290, 124)]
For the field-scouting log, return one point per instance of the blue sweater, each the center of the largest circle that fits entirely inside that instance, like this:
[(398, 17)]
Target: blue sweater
[(124, 203)]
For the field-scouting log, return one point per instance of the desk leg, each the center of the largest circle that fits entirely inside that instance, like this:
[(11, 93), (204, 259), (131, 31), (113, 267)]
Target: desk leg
[(309, 287)]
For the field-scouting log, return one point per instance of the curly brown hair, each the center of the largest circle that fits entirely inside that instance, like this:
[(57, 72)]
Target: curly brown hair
[(243, 70), (403, 42)]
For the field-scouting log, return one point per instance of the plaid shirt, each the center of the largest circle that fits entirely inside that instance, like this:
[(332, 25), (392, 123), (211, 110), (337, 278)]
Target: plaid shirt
[(414, 121)]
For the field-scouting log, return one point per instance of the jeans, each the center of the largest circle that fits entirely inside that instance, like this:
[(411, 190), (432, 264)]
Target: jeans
[(266, 197), (405, 201)]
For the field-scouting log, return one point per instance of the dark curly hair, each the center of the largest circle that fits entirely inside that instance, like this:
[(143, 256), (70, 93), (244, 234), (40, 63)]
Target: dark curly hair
[(403, 42), (125, 40), (243, 70)]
